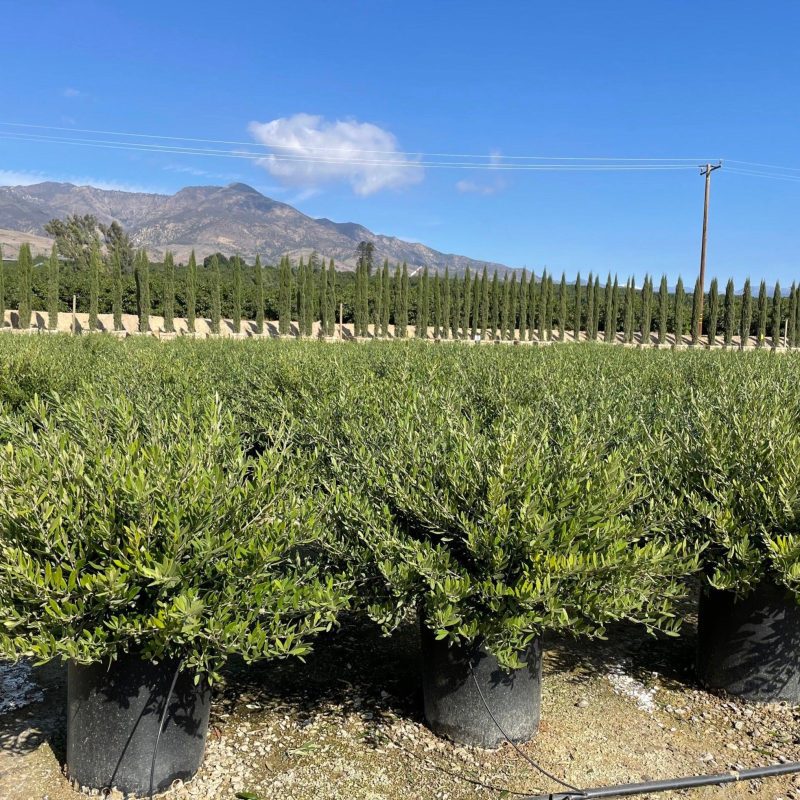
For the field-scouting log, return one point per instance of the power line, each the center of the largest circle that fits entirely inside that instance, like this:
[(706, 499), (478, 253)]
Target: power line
[(755, 174), (278, 145)]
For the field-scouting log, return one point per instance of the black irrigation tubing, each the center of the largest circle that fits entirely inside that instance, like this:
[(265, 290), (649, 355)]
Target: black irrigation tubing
[(161, 725)]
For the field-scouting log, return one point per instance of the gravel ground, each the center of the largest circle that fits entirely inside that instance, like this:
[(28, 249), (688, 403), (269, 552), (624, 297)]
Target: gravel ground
[(347, 725)]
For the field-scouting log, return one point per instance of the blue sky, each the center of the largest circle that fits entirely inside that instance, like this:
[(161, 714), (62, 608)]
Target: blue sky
[(564, 80)]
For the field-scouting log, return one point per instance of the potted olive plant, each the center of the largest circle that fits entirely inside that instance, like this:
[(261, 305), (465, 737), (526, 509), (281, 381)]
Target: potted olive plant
[(496, 526), (141, 543), (741, 484)]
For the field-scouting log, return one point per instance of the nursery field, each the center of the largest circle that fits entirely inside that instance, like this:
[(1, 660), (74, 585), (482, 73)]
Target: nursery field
[(309, 533)]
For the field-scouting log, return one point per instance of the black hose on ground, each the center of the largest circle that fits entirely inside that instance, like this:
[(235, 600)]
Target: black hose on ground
[(161, 725)]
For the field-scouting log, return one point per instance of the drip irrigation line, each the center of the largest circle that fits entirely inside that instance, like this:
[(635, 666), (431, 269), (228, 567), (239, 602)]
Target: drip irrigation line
[(161, 725), (576, 792)]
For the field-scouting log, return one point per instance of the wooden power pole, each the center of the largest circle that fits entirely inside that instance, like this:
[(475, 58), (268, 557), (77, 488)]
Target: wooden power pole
[(706, 171)]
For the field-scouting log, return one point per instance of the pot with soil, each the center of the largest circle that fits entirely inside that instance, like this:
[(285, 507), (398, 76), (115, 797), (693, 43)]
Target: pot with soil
[(114, 715), (149, 548), (749, 646), (458, 679)]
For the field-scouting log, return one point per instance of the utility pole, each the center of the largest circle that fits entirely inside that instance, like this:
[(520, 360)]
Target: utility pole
[(706, 171)]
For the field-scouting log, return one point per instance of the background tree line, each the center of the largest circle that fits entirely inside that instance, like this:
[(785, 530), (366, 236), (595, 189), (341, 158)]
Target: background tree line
[(99, 266)]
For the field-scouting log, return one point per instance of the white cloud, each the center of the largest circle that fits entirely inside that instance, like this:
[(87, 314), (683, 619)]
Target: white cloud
[(309, 150), (10, 177)]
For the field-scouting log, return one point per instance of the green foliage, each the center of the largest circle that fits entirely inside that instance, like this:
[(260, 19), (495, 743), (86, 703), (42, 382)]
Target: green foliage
[(680, 302), (729, 314), (647, 309), (2, 290), (697, 322), (191, 292), (713, 311), (747, 315), (776, 331), (169, 293), (216, 303), (116, 302), (763, 311), (95, 267), (285, 297), (52, 289), (142, 275), (237, 294), (663, 310), (25, 285)]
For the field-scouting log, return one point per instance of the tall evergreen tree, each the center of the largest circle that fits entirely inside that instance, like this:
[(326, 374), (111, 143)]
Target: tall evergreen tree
[(577, 313), (494, 313), (332, 305), (466, 304), (533, 304), (437, 306), (446, 301), (747, 315), (284, 295), (713, 312), (302, 297), (386, 299), (477, 307), (609, 326), (191, 293), (523, 306), (95, 266), (647, 310), (663, 310), (562, 308), (548, 317), (484, 304), (25, 272), (776, 331), (627, 313), (505, 308), (542, 325), (169, 293), (378, 302), (2, 291), (614, 309), (216, 295), (141, 274), (598, 298), (790, 330), (590, 320), (401, 307), (697, 323), (763, 312), (680, 302), (116, 301), (729, 314), (52, 289), (424, 310), (259, 276), (794, 322)]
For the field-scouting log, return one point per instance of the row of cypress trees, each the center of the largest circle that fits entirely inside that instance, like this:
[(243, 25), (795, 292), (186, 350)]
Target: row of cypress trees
[(456, 307)]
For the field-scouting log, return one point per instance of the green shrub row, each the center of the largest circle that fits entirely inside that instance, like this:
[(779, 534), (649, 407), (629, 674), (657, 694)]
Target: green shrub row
[(206, 498)]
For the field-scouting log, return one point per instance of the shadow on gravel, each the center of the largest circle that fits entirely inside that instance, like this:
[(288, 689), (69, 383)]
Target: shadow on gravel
[(24, 729)]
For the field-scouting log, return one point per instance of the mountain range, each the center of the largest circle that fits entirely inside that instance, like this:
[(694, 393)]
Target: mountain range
[(234, 219)]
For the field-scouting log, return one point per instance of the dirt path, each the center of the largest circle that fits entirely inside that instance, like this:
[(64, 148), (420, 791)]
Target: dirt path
[(347, 725)]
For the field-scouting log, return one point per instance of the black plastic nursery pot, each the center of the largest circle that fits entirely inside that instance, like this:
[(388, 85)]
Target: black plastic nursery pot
[(750, 646), (114, 712), (453, 705)]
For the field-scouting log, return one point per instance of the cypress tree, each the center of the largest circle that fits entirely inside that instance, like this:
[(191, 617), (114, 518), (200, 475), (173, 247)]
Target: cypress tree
[(729, 314), (494, 318), (403, 294), (505, 308), (794, 322), (577, 313), (532, 305), (116, 303), (424, 310), (590, 308), (378, 321), (437, 306), (456, 300), (523, 306), (477, 306), (747, 315), (95, 265), (466, 305), (542, 306), (259, 276), (792, 316), (284, 296), (680, 302), (549, 308), (627, 312), (697, 323), (446, 300), (609, 328), (614, 309), (332, 305), (386, 299), (663, 310), (562, 308), (484, 304), (302, 297), (597, 302), (141, 275), (776, 316), (191, 293), (2, 291), (713, 312), (762, 314), (311, 294), (52, 290), (237, 294), (216, 296), (647, 310), (25, 269), (169, 293)]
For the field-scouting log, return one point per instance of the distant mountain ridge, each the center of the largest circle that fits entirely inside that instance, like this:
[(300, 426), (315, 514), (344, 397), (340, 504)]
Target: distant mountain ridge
[(229, 219)]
